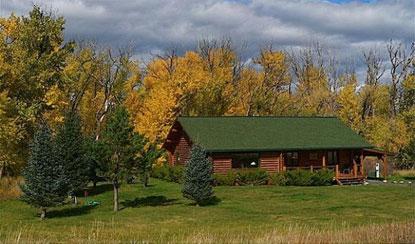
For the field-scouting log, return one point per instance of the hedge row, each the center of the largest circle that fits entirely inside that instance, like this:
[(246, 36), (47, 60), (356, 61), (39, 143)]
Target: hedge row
[(252, 177), (288, 178)]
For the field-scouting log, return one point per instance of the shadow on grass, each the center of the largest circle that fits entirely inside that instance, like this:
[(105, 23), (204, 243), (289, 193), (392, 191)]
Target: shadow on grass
[(210, 202), (152, 201), (68, 212)]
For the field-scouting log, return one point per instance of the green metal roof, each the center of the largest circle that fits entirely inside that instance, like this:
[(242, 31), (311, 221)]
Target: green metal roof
[(243, 134)]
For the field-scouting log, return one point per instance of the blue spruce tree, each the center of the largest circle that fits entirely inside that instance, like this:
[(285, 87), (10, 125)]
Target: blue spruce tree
[(45, 183), (198, 177)]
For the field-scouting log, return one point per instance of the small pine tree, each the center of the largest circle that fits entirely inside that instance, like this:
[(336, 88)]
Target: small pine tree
[(146, 154), (70, 153), (45, 184), (118, 139), (198, 176), (96, 156), (146, 163)]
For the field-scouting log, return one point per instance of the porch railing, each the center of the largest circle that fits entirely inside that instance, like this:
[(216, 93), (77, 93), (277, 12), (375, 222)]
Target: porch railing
[(353, 172), (311, 167)]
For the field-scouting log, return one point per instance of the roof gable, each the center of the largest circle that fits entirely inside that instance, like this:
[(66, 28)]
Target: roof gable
[(234, 133)]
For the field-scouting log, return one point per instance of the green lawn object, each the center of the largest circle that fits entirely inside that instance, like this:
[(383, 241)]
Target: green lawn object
[(93, 203)]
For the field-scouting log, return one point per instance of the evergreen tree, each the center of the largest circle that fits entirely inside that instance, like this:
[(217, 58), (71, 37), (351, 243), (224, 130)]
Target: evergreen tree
[(118, 138), (148, 154), (198, 176), (70, 153), (45, 184), (96, 156)]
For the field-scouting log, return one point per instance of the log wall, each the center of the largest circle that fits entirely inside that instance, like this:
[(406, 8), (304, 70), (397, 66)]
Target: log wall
[(221, 164), (270, 162)]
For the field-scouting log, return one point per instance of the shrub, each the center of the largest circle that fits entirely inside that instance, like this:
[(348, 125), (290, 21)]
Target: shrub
[(322, 178), (308, 178), (225, 180), (168, 173), (9, 188), (176, 174), (299, 177), (159, 172), (252, 177), (278, 179)]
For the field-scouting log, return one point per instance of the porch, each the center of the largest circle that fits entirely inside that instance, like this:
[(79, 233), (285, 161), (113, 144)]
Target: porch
[(354, 175), (347, 164), (346, 171)]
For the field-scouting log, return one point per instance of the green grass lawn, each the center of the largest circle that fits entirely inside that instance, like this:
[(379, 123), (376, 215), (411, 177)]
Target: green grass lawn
[(160, 213)]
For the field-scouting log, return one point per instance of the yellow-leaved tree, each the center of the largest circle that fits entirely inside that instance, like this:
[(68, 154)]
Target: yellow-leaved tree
[(349, 103)]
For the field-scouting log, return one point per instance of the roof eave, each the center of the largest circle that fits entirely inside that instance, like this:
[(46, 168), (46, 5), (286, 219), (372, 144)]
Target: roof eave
[(285, 149)]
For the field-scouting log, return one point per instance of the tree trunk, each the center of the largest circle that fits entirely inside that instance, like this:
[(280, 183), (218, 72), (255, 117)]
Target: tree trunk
[(145, 182), (75, 202), (1, 171), (95, 184), (115, 184), (42, 213)]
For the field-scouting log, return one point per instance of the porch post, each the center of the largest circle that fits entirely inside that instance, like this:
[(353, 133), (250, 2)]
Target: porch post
[(385, 165), (354, 168), (281, 164), (361, 163), (324, 161), (337, 171)]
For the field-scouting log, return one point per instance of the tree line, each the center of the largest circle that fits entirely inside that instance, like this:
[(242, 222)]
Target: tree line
[(43, 78)]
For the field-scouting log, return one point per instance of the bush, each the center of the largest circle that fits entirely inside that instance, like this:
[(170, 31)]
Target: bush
[(225, 180), (299, 177), (9, 187), (159, 172), (308, 178), (176, 174), (278, 179), (252, 177), (322, 178), (168, 173)]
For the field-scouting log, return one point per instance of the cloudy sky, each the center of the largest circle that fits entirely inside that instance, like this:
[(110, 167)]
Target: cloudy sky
[(152, 26)]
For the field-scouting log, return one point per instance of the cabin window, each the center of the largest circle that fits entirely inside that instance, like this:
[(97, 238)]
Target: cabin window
[(332, 157), (313, 156), (291, 159), (245, 160)]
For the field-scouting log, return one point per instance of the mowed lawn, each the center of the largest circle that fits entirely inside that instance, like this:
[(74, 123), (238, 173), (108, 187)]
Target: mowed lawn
[(159, 213)]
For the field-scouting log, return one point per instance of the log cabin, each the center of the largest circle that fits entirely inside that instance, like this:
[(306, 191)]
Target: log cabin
[(274, 144)]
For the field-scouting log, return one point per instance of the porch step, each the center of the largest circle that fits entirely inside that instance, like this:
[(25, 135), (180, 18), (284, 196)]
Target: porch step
[(350, 181)]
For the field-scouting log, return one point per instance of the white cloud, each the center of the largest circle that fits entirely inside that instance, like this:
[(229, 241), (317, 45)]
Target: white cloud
[(156, 25)]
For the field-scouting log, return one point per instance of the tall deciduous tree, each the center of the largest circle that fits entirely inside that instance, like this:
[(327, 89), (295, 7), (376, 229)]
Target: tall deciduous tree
[(401, 60), (45, 181), (11, 133), (32, 57), (349, 103)]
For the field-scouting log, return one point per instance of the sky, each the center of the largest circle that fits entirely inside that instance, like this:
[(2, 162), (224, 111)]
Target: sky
[(346, 27)]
